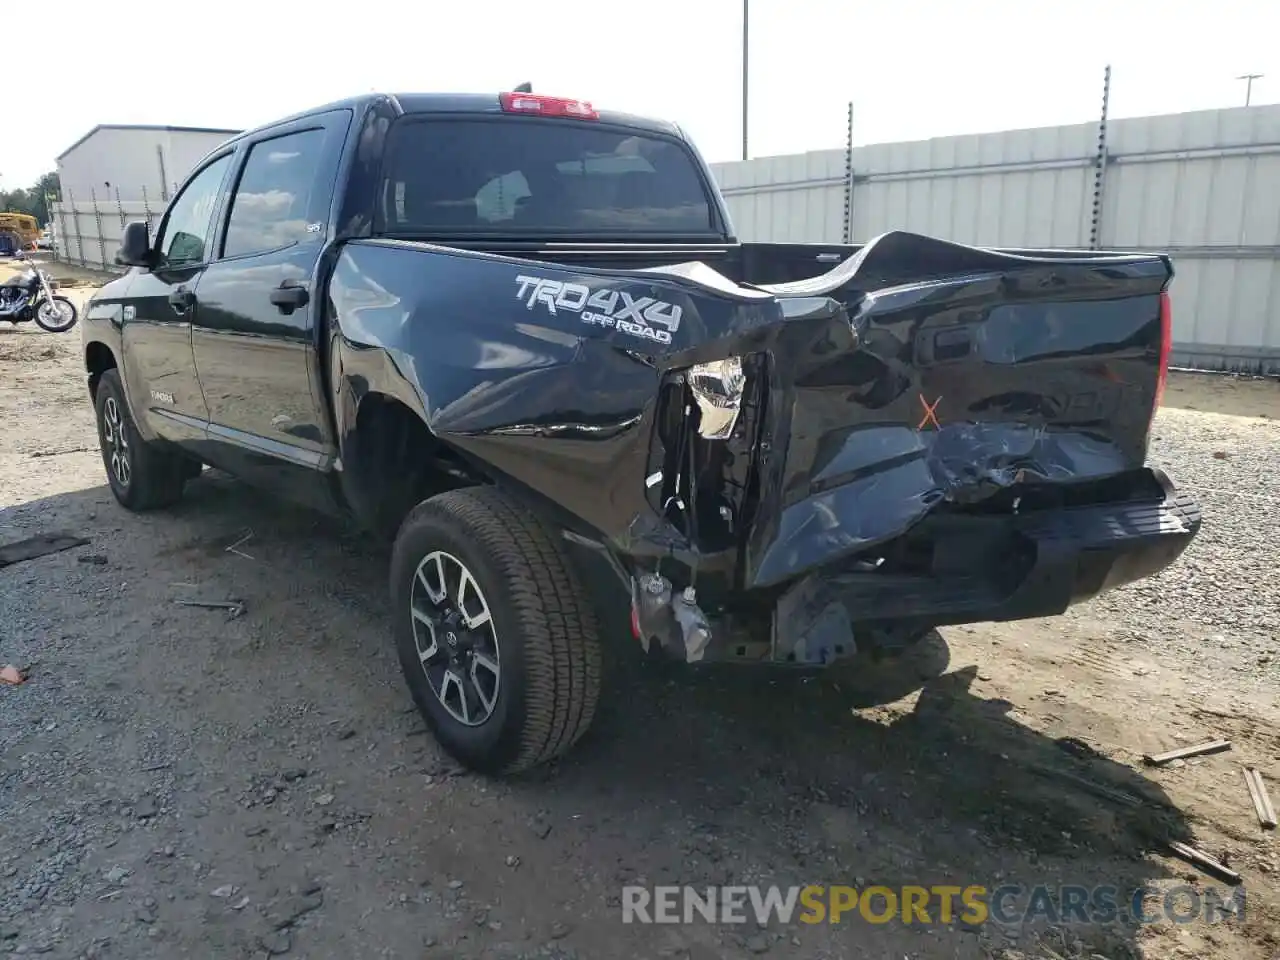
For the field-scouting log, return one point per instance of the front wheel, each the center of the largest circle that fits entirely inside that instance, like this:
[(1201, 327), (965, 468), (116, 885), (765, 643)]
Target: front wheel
[(57, 315), (495, 637)]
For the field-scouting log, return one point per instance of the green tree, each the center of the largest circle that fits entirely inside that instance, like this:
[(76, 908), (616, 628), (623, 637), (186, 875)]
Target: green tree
[(33, 200)]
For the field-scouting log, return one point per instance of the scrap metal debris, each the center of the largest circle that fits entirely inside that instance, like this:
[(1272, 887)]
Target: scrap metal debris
[(240, 553), (1089, 786), (60, 453), (1261, 800), (235, 606), (1214, 868), (11, 675), (1199, 749), (38, 546)]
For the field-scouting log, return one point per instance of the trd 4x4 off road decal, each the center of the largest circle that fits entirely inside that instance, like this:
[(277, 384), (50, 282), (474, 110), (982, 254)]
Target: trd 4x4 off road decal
[(644, 317)]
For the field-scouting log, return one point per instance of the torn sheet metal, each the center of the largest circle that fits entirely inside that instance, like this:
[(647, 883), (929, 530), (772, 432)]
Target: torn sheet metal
[(717, 387)]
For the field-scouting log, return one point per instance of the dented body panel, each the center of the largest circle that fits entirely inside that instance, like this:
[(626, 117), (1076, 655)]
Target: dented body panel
[(883, 401)]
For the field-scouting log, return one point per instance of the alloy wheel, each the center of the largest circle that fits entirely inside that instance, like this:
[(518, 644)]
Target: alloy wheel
[(117, 441), (455, 637)]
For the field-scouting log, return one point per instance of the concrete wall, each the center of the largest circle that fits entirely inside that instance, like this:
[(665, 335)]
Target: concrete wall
[(128, 161), (1204, 187)]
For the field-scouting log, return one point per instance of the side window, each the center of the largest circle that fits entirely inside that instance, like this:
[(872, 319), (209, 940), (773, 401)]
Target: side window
[(269, 208), (188, 228)]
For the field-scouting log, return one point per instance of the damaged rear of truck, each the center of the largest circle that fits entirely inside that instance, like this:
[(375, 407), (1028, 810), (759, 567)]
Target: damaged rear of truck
[(929, 434), (781, 464)]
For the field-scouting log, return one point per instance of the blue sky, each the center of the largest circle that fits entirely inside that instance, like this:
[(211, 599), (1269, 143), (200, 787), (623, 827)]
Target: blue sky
[(914, 68)]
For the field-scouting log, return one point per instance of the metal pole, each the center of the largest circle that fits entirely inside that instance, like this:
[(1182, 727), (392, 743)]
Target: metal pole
[(75, 224), (97, 219), (61, 249), (146, 211), (745, 19), (1100, 164), (1248, 79), (164, 177), (848, 176)]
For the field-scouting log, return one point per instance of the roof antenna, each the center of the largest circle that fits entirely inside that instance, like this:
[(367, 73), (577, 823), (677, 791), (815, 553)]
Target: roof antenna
[(525, 87)]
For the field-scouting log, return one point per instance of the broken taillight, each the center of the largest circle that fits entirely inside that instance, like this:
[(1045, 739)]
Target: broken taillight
[(1166, 346), (547, 106)]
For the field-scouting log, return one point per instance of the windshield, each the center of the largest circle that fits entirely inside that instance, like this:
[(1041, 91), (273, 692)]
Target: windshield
[(511, 176)]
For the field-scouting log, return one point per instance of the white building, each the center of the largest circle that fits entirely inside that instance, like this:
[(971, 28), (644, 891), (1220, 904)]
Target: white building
[(140, 162)]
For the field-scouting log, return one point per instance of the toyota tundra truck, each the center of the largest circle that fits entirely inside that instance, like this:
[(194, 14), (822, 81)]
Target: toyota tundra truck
[(512, 333)]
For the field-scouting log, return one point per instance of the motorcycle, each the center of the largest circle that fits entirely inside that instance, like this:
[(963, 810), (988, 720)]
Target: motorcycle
[(30, 296)]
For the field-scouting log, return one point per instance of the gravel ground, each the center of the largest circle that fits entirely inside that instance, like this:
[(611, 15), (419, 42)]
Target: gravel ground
[(175, 782)]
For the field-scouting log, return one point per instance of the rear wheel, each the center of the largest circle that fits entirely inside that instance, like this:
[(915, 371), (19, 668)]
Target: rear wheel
[(496, 640), (142, 476)]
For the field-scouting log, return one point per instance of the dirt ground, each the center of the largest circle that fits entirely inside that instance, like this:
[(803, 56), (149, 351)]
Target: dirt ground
[(178, 783)]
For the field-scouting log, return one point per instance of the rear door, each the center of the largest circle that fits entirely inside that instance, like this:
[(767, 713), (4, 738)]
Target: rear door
[(256, 335), (161, 306)]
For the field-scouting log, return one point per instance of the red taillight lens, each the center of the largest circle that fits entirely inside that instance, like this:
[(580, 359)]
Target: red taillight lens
[(547, 106), (1166, 346)]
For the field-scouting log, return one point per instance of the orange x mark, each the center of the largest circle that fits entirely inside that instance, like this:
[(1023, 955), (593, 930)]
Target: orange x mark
[(929, 415)]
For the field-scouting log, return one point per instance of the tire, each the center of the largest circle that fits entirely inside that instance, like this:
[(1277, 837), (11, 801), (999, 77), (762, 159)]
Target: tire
[(142, 476), (65, 325), (543, 676)]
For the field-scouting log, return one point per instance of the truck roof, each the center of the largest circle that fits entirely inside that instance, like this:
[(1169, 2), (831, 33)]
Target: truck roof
[(472, 103)]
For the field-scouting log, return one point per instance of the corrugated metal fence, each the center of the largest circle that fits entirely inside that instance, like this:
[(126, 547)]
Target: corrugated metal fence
[(1203, 187), (87, 231)]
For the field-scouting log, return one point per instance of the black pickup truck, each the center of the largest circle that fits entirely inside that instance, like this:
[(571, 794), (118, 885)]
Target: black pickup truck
[(515, 333)]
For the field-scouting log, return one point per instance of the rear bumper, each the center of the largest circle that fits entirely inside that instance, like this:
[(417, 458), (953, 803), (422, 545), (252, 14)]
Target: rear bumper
[(1005, 567), (1085, 551)]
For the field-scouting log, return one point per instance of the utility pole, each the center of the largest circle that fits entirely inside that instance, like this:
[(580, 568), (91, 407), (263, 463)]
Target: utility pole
[(1248, 78), (1100, 164), (744, 78)]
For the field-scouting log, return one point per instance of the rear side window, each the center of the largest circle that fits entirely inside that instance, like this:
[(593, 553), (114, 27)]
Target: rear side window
[(269, 208), (512, 175)]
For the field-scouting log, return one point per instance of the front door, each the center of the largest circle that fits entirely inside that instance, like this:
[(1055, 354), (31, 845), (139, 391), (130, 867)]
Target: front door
[(255, 339), (161, 305)]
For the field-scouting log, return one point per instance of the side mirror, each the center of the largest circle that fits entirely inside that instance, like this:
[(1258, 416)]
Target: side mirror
[(135, 245)]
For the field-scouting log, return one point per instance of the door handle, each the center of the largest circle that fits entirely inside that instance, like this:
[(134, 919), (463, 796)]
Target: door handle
[(289, 297), (181, 299)]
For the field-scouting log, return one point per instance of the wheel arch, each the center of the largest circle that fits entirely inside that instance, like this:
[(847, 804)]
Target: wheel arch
[(98, 359), (392, 461)]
